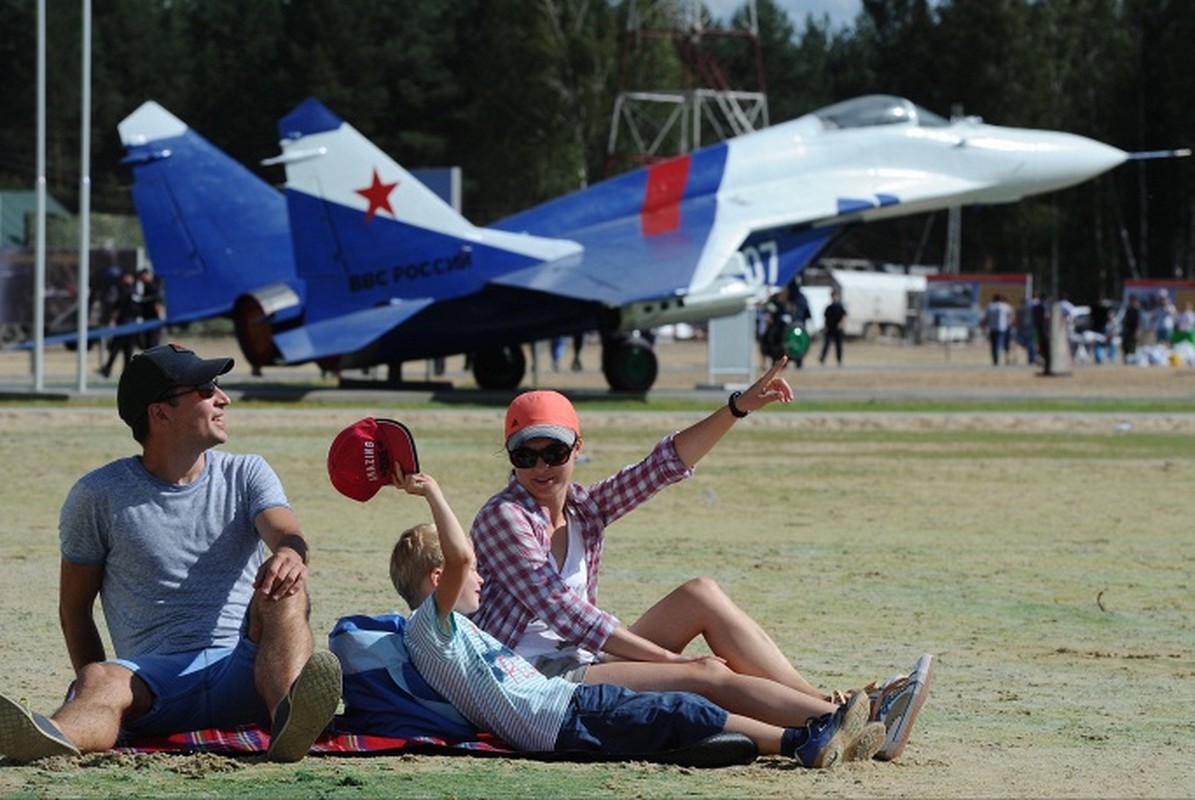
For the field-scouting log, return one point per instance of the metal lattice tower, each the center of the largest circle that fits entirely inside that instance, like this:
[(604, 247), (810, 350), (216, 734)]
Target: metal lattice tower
[(671, 41)]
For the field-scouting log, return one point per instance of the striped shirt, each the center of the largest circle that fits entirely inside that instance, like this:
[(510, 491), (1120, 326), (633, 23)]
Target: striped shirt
[(512, 540), (496, 689)]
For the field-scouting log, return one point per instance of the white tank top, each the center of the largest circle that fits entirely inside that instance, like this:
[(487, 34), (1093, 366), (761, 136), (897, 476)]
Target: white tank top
[(540, 640)]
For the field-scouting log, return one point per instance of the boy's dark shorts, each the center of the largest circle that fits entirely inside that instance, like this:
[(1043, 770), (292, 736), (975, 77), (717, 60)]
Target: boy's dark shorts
[(614, 719)]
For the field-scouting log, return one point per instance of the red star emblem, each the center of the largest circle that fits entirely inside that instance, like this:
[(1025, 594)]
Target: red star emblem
[(378, 195)]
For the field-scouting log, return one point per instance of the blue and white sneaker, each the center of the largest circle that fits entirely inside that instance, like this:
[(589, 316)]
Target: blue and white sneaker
[(27, 736), (829, 738), (896, 703)]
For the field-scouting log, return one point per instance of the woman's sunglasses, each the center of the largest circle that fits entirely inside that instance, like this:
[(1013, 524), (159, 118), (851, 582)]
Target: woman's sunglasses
[(553, 455)]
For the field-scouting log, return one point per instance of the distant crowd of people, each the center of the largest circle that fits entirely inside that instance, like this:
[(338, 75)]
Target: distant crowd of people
[(1107, 333), (1103, 333), (128, 297), (789, 310)]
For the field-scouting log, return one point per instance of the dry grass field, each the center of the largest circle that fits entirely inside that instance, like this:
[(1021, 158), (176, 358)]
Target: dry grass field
[(1046, 557)]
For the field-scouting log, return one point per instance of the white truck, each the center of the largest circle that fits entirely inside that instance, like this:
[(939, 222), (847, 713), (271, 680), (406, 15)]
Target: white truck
[(877, 303)]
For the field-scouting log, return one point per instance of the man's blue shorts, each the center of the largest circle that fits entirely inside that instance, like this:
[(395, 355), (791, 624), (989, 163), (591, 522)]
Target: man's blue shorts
[(210, 688), (614, 719)]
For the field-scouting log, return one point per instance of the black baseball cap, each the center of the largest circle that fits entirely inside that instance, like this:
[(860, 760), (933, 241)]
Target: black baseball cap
[(154, 372)]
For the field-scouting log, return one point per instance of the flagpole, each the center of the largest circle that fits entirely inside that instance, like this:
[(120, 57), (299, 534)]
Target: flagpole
[(84, 280), (39, 277)]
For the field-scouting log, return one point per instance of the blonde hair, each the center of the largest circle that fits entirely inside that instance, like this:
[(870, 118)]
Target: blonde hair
[(416, 553)]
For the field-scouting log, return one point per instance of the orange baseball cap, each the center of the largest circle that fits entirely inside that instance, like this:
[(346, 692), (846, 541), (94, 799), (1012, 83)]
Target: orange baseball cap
[(365, 456), (541, 413)]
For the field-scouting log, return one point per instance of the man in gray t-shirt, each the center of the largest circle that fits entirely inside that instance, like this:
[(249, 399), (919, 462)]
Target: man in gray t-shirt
[(201, 570)]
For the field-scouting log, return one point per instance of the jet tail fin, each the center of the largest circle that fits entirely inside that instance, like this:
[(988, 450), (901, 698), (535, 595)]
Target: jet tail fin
[(212, 228), (366, 228)]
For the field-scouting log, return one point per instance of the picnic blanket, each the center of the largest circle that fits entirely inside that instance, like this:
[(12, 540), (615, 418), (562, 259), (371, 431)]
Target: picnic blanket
[(390, 709), (336, 740), (721, 750)]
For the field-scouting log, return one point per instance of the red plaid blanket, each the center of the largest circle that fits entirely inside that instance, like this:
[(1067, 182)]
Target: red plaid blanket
[(248, 739), (721, 750)]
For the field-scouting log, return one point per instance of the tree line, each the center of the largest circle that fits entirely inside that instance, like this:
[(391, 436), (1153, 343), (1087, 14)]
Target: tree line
[(519, 94)]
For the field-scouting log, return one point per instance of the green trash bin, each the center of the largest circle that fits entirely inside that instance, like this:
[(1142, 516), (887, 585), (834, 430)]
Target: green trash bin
[(796, 341)]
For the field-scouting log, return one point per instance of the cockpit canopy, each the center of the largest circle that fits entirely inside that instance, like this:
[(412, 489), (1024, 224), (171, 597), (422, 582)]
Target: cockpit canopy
[(877, 109)]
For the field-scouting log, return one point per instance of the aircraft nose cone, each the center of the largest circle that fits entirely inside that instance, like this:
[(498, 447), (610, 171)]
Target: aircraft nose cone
[(1068, 159), (1037, 161)]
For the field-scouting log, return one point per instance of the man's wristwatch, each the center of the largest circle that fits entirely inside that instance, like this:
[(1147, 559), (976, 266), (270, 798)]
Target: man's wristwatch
[(297, 543)]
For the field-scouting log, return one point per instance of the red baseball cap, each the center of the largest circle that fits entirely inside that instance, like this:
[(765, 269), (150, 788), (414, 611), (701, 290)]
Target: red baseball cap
[(541, 413), (364, 457)]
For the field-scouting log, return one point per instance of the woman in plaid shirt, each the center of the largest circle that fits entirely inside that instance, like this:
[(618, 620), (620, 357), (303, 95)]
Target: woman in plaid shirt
[(539, 546)]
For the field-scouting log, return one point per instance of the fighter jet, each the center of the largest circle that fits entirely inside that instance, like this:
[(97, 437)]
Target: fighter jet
[(357, 263)]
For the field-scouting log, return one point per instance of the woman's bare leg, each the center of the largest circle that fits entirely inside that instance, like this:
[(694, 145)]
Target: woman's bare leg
[(699, 607), (748, 695)]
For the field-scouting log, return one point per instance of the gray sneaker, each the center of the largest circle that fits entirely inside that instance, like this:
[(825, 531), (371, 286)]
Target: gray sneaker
[(896, 703), (307, 709), (861, 737), (27, 736), (866, 744)]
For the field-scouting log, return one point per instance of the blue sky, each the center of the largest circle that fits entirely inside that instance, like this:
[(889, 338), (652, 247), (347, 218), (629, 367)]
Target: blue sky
[(841, 12)]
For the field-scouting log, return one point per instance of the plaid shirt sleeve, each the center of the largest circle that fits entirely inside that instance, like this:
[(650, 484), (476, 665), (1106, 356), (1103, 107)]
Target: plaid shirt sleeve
[(622, 492), (513, 548)]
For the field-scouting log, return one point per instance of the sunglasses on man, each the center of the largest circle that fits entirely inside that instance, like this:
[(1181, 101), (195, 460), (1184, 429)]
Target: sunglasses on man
[(553, 455), (205, 390)]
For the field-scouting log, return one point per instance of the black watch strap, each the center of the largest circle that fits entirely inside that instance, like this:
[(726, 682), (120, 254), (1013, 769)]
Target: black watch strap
[(734, 409)]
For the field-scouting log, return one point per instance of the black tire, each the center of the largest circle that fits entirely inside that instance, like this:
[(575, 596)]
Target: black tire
[(499, 367), (629, 365)]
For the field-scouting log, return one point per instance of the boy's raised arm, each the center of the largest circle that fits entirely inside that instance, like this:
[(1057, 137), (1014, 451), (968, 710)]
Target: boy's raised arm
[(454, 544)]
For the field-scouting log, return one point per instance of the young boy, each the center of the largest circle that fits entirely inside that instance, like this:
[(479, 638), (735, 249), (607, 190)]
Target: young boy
[(433, 568)]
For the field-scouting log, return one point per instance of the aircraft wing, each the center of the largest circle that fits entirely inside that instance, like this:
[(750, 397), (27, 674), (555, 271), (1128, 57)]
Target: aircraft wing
[(616, 270), (345, 333), (621, 265), (105, 331), (591, 276)]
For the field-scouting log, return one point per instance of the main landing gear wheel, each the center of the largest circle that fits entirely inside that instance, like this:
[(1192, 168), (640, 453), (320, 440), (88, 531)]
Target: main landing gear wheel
[(629, 365), (499, 367)]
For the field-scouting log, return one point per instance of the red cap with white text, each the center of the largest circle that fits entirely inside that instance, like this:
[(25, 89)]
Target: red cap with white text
[(366, 455)]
